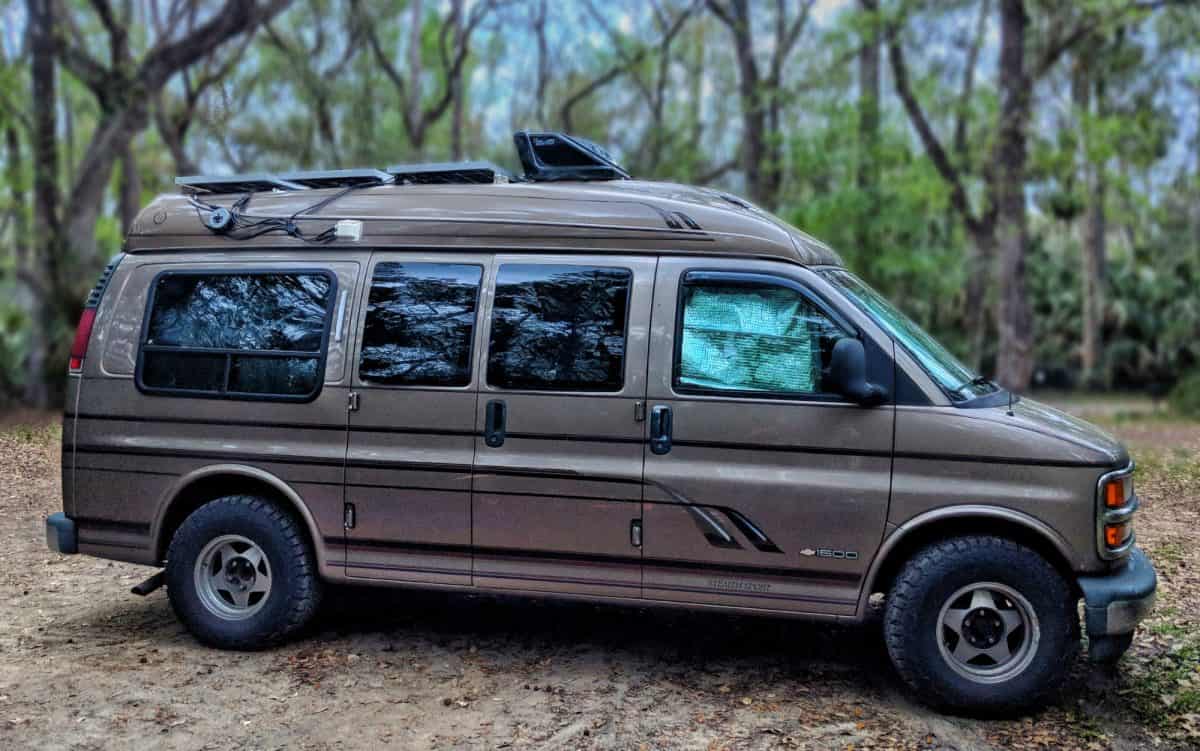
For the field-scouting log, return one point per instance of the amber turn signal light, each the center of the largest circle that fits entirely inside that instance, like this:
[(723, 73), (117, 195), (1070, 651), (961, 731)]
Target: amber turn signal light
[(1114, 494), (1115, 535)]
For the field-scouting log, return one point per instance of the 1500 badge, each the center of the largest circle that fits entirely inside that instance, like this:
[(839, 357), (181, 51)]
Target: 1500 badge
[(842, 555)]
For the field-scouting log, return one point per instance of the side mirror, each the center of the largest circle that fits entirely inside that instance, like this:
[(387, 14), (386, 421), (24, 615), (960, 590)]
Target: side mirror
[(848, 374)]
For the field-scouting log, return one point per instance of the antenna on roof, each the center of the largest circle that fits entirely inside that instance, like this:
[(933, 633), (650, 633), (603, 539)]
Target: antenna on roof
[(557, 156)]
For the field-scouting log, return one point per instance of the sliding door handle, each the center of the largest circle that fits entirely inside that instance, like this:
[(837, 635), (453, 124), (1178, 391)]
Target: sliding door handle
[(495, 418), (660, 429)]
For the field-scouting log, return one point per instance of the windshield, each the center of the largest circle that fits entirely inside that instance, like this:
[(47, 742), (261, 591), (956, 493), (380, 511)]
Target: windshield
[(957, 379)]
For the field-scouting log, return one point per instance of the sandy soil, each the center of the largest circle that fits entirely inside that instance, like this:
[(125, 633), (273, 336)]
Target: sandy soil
[(84, 664)]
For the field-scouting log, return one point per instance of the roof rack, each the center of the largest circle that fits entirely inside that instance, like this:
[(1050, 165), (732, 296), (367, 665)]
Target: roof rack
[(440, 173), (545, 156), (548, 156)]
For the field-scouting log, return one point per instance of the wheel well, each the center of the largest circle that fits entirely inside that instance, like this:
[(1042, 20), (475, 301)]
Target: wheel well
[(205, 489), (943, 529)]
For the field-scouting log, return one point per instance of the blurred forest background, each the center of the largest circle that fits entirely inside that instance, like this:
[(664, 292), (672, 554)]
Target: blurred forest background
[(1021, 176)]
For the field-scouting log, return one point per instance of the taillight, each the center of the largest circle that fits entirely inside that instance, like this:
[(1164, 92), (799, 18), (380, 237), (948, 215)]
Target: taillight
[(83, 334)]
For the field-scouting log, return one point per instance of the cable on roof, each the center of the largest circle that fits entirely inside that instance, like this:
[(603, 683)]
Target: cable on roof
[(234, 223)]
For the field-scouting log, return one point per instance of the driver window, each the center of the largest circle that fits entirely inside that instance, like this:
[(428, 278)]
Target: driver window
[(751, 336)]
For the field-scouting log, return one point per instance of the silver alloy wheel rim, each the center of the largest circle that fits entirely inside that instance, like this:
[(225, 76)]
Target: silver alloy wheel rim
[(987, 632), (232, 577)]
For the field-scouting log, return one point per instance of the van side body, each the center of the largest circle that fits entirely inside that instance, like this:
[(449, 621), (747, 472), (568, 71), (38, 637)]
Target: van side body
[(613, 472)]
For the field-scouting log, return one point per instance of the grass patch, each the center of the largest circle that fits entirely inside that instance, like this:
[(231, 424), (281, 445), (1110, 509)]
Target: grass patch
[(1167, 628), (1167, 687), (1174, 465), (1168, 552), (34, 434)]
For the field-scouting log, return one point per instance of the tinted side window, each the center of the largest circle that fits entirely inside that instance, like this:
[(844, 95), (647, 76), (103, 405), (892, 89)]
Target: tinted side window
[(253, 335), (420, 323), (755, 337), (559, 327)]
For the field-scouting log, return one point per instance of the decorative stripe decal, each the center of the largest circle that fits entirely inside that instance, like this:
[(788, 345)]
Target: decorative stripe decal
[(712, 530), (748, 528)]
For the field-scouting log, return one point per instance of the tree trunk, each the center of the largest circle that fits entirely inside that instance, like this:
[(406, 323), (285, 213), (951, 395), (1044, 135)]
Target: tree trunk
[(14, 169), (543, 65), (456, 82), (754, 115), (41, 274), (980, 256), (1093, 243), (1094, 262), (173, 133), (1014, 366), (130, 196), (111, 139), (413, 105), (868, 126)]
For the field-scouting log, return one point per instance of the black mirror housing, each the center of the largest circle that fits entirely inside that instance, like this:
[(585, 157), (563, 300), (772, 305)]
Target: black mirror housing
[(848, 374)]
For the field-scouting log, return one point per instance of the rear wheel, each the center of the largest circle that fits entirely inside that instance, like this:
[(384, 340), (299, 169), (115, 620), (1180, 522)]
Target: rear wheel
[(981, 624), (241, 574)]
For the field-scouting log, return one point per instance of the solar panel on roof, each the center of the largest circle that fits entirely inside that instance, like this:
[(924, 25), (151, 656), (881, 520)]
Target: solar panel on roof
[(544, 156), (439, 173), (235, 183), (337, 178)]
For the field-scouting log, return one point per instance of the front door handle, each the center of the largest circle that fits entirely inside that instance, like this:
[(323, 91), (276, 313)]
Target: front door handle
[(494, 421), (660, 429)]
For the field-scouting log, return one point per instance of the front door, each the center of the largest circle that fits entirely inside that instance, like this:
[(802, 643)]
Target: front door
[(558, 462), (408, 470), (763, 490)]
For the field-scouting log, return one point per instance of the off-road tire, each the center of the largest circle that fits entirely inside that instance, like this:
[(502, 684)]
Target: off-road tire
[(914, 604), (295, 587)]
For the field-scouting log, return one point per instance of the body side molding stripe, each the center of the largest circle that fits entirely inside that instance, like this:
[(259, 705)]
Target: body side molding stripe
[(735, 446), (457, 549)]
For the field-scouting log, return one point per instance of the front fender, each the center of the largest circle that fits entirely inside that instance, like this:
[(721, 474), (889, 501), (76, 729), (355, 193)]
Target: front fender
[(955, 520)]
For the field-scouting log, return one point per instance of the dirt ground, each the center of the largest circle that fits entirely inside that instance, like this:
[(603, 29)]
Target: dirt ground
[(84, 664)]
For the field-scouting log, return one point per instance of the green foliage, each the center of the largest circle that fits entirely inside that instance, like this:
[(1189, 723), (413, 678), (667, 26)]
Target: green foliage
[(311, 91), (13, 333), (1185, 397)]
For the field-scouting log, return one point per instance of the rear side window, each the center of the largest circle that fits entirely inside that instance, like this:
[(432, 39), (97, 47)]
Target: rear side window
[(420, 324), (237, 335), (559, 327), (749, 336)]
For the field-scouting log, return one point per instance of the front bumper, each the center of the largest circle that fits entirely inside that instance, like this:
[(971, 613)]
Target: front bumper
[(1115, 602), (61, 534)]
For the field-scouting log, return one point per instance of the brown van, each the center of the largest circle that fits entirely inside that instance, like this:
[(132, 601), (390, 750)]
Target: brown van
[(573, 384)]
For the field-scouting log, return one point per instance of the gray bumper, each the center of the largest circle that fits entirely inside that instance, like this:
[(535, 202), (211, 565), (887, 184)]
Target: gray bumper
[(1116, 602), (61, 536)]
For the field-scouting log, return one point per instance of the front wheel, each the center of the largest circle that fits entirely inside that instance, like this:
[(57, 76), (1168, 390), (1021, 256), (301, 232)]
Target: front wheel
[(241, 574), (981, 624)]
